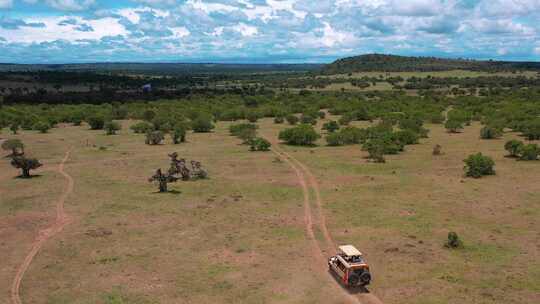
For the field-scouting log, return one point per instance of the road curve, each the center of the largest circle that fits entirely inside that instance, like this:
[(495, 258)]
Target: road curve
[(61, 221)]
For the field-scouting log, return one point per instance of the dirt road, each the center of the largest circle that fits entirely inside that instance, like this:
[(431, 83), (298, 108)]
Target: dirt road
[(304, 176), (61, 221)]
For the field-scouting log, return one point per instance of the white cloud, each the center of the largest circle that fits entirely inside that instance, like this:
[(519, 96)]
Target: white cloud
[(245, 30), (6, 3), (70, 5), (53, 31), (537, 50)]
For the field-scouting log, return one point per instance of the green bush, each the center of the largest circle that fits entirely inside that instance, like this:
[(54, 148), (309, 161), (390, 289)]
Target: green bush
[(345, 120), (513, 146), (42, 127), (331, 126), (347, 136), (321, 114), (454, 126), (202, 124), (478, 165), (453, 241), (531, 129), (252, 116), (292, 119), (15, 145), (112, 127), (489, 132), (528, 152), (407, 137), (259, 144), (308, 119), (96, 122), (178, 134), (302, 135), (141, 127)]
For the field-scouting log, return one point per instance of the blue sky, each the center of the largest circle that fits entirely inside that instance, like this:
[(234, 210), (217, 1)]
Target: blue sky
[(277, 31)]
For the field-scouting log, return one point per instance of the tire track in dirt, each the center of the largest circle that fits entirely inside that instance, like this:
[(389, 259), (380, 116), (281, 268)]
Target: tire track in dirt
[(308, 216), (331, 244), (61, 221)]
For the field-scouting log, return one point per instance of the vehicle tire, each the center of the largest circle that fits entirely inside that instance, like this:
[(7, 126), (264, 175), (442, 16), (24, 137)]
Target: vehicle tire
[(365, 277), (353, 280)]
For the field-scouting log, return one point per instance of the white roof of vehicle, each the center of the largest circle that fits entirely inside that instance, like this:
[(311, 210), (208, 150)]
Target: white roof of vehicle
[(349, 250)]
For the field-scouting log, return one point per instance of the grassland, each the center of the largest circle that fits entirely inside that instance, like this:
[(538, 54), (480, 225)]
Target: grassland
[(239, 237)]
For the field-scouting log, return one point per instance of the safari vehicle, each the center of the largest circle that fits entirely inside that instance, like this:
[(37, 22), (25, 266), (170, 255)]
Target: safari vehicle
[(349, 265)]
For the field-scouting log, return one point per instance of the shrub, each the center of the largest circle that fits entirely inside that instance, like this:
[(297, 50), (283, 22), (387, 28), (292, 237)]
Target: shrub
[(386, 144), (489, 132), (202, 124), (437, 150), (141, 127), (252, 116), (247, 135), (42, 127), (414, 124), (154, 137), (376, 152), (302, 135), (321, 114), (513, 146), (15, 145), (407, 137), (292, 119), (531, 129), (478, 165), (345, 120), (25, 164), (111, 127), (178, 135), (96, 122), (331, 126), (14, 127), (453, 126), (453, 241), (279, 120), (347, 136), (528, 152), (260, 144), (308, 119)]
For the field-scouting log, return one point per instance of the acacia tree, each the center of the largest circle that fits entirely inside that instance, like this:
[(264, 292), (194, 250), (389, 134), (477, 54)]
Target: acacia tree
[(162, 180), (15, 145), (25, 164)]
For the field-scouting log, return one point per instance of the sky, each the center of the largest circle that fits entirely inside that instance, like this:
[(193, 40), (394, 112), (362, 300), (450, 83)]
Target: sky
[(265, 31)]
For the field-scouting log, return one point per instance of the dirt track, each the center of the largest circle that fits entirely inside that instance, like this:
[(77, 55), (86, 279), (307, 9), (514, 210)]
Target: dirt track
[(61, 221), (301, 172)]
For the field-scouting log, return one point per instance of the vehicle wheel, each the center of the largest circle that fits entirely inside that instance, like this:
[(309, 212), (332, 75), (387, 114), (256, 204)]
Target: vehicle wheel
[(365, 277), (353, 280)]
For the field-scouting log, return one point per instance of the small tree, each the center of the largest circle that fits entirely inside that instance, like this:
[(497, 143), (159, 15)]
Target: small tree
[(162, 180), (279, 120), (489, 132), (292, 119), (303, 135), (478, 165), (331, 126), (407, 137), (513, 146), (141, 127), (15, 145), (528, 152), (154, 137), (453, 125), (260, 144), (14, 127), (202, 124), (25, 164), (321, 114), (308, 119), (453, 241), (42, 126), (247, 135), (112, 127), (376, 153), (178, 135), (96, 122), (252, 116)]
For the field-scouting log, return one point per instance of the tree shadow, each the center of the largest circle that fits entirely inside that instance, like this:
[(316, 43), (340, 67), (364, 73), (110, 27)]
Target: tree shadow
[(29, 177), (174, 192)]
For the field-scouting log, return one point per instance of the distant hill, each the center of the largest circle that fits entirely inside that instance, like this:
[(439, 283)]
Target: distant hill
[(393, 63)]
